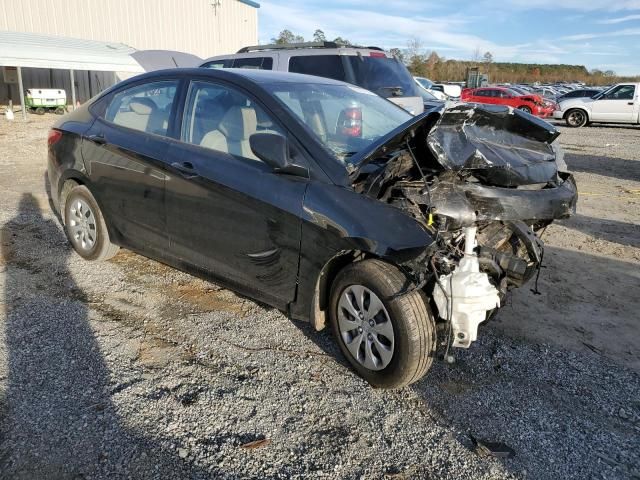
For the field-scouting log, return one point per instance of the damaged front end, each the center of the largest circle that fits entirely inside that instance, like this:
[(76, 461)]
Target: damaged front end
[(485, 181)]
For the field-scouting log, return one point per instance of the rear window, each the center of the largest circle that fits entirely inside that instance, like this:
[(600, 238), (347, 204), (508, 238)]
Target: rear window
[(328, 66), (383, 75), (258, 63)]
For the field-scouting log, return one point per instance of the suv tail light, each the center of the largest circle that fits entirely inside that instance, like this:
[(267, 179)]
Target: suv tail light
[(54, 137), (378, 54), (350, 122)]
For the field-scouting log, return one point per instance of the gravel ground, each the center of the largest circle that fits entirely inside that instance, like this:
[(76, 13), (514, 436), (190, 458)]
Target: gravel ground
[(130, 369)]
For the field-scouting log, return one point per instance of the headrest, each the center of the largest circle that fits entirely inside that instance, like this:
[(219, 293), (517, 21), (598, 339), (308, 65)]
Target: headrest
[(238, 123), (142, 106)]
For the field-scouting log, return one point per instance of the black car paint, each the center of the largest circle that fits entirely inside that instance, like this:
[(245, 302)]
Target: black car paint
[(275, 218)]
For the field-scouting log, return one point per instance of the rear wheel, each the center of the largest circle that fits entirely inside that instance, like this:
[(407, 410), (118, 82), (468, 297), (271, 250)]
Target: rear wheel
[(524, 108), (576, 118), (387, 336), (85, 226)]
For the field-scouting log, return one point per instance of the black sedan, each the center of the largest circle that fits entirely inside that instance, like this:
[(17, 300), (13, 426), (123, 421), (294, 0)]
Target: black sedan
[(314, 196), (579, 93)]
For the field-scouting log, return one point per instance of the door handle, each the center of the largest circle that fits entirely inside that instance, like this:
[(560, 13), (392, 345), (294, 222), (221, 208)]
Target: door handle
[(98, 139), (186, 169), (630, 103)]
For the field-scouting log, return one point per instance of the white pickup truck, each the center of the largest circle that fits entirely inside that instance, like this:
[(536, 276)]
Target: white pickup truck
[(618, 104)]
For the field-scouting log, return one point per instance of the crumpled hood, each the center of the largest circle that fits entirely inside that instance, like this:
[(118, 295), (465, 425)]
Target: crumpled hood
[(499, 145)]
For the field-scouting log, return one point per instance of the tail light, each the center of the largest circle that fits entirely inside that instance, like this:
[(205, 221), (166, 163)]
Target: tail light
[(54, 137), (350, 122)]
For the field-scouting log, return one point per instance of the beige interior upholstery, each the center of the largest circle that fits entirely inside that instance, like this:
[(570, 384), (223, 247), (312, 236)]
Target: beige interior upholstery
[(140, 111), (233, 132)]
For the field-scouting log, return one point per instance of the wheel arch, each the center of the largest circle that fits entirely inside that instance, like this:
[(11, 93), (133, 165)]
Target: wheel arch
[(322, 289), (75, 177), (331, 269)]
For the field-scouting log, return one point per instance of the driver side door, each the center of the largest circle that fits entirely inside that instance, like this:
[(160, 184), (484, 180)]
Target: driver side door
[(228, 213), (617, 105)]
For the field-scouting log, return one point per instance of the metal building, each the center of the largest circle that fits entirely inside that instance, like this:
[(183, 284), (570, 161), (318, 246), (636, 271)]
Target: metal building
[(200, 27)]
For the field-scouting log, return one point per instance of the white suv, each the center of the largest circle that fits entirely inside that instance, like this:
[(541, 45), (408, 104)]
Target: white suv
[(368, 67)]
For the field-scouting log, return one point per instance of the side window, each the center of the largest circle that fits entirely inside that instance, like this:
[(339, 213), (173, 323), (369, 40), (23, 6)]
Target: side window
[(221, 118), (258, 63), (480, 93), (145, 108), (225, 63), (329, 66), (621, 92)]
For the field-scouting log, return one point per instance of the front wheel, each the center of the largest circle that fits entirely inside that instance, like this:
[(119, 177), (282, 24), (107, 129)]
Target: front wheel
[(85, 226), (524, 108), (387, 336), (576, 118)]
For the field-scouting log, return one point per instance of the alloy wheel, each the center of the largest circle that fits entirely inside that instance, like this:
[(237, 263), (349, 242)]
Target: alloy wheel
[(576, 118)]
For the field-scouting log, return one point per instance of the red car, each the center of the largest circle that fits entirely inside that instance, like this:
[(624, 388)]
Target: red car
[(533, 104)]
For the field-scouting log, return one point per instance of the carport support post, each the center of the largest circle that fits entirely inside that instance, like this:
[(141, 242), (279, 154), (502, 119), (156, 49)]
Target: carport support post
[(73, 90), (21, 87)]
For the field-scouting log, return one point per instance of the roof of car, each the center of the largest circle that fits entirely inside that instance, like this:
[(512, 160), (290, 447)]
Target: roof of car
[(271, 76), (254, 75)]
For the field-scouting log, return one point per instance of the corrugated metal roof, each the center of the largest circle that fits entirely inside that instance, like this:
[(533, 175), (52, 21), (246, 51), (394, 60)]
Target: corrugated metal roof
[(19, 49)]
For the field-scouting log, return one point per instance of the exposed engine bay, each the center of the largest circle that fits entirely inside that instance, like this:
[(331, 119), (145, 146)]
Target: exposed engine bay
[(485, 181)]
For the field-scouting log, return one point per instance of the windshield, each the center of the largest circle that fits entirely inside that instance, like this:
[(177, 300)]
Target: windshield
[(518, 91), (426, 95), (424, 82), (346, 119), (385, 76)]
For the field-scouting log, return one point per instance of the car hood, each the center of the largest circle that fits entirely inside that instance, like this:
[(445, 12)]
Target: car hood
[(498, 145)]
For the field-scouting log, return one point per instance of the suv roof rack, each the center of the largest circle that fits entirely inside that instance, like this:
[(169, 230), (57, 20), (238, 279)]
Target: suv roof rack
[(289, 46)]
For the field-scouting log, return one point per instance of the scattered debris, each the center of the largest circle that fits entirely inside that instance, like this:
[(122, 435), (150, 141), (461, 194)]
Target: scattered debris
[(263, 442), (485, 448)]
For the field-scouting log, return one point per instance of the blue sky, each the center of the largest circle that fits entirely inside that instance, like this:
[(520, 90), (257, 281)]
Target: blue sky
[(596, 33)]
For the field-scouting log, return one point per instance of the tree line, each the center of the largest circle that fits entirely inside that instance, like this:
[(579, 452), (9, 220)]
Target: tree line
[(428, 63)]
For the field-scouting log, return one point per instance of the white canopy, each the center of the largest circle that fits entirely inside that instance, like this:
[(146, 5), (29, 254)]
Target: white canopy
[(45, 51)]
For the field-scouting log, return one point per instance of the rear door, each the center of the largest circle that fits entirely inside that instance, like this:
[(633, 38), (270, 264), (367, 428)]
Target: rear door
[(228, 213), (616, 105), (124, 151)]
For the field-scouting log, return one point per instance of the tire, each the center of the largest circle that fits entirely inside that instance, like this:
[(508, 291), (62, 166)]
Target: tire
[(85, 226), (405, 355), (40, 111), (524, 108), (59, 111), (576, 118)]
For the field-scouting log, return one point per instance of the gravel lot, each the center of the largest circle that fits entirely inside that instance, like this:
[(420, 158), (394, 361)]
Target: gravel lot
[(130, 369)]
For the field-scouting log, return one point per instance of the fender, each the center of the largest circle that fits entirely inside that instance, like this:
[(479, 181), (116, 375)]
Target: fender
[(338, 219)]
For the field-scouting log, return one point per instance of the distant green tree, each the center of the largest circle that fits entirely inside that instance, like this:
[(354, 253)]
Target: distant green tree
[(341, 40), (287, 36), (318, 36), (487, 57), (396, 52)]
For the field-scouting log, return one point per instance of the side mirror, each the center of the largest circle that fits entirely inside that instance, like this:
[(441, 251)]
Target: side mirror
[(273, 149)]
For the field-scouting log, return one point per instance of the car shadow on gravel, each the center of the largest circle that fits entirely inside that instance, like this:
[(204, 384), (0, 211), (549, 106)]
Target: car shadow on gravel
[(622, 233), (605, 166), (57, 419)]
